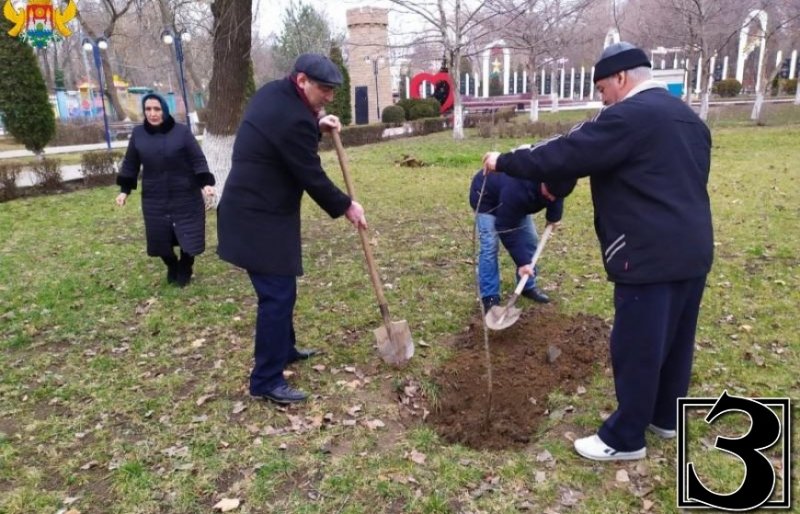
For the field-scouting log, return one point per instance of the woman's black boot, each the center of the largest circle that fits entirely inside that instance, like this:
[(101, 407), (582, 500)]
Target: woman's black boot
[(185, 269), (172, 268)]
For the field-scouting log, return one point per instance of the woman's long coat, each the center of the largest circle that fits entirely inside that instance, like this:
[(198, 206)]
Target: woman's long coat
[(172, 200)]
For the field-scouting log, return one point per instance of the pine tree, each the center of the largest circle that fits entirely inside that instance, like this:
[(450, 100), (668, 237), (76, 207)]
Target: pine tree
[(340, 106), (24, 104)]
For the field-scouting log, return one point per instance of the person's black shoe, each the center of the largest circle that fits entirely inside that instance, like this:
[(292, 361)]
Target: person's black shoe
[(184, 270), (302, 354), (284, 395), (536, 295), (489, 302), (172, 273)]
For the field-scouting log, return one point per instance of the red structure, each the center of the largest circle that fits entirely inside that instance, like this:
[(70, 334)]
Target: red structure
[(442, 84)]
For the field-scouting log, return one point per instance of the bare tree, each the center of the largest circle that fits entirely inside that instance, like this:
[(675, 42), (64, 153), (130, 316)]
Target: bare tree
[(110, 13), (232, 39), (453, 24), (544, 31)]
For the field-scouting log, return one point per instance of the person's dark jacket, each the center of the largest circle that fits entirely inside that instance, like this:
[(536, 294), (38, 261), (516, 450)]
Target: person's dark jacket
[(510, 200), (275, 160), (174, 171), (648, 158)]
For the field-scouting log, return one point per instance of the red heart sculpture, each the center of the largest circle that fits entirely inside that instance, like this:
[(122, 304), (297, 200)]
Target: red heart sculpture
[(433, 78)]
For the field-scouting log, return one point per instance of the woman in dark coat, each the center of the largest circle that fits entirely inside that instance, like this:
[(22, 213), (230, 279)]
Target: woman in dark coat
[(175, 177)]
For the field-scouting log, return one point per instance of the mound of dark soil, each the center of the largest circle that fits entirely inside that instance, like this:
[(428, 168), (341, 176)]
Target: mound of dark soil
[(524, 377)]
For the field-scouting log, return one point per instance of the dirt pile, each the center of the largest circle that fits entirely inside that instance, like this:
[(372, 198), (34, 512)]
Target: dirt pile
[(523, 376)]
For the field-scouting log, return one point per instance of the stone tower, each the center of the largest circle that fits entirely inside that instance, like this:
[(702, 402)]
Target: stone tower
[(368, 62)]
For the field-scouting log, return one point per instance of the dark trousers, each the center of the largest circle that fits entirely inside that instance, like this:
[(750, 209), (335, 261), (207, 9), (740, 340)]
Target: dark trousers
[(652, 345), (275, 340)]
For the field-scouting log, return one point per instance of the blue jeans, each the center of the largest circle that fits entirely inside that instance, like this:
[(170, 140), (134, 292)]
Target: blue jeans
[(488, 266)]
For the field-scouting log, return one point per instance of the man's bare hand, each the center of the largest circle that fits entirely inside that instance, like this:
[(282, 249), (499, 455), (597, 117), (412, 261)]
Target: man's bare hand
[(355, 214), (490, 162), (330, 122)]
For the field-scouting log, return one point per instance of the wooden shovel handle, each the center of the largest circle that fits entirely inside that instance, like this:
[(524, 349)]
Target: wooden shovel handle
[(362, 232)]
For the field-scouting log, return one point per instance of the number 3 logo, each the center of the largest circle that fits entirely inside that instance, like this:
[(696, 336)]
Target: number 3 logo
[(759, 475)]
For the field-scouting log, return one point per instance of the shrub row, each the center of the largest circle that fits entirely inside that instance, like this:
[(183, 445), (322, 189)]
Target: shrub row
[(538, 129), (99, 168), (359, 135), (77, 133), (727, 88)]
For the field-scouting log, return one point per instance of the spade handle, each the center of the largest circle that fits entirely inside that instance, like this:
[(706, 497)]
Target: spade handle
[(362, 232), (545, 236)]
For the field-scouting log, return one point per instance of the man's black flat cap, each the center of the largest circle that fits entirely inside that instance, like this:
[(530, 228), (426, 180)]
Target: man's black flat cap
[(319, 69)]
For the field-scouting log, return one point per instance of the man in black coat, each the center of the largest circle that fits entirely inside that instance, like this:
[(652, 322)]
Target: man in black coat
[(648, 155), (275, 160)]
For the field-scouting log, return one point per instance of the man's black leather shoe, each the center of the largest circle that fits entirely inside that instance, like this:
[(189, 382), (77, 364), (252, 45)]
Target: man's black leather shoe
[(536, 295), (284, 395), (302, 354)]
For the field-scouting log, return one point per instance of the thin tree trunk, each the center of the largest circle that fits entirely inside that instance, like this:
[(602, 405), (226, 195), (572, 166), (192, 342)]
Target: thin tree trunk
[(797, 94), (232, 40), (111, 89), (48, 74), (689, 77), (458, 111)]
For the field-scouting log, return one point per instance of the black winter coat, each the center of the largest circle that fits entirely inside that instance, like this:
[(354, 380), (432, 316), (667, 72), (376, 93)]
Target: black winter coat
[(174, 170), (275, 160), (649, 158)]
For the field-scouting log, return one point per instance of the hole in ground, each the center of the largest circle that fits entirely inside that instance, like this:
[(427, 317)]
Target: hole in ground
[(521, 372)]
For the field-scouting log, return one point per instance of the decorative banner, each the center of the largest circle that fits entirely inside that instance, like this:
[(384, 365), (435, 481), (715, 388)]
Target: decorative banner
[(442, 87), (39, 22)]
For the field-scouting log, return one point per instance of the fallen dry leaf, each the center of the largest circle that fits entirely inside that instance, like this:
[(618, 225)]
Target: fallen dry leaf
[(239, 407), (203, 399), (318, 367), (374, 424), (647, 505), (227, 504), (418, 457), (622, 476), (197, 343), (540, 477)]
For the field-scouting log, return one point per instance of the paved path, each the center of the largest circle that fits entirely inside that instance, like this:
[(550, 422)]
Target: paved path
[(51, 150), (68, 172)]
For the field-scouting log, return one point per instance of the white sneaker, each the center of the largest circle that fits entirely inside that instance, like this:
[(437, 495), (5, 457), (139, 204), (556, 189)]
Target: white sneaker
[(662, 432), (594, 448)]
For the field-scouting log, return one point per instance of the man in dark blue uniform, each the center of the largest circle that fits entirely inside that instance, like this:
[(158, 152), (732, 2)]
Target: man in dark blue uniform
[(648, 157), (275, 160), (504, 204)]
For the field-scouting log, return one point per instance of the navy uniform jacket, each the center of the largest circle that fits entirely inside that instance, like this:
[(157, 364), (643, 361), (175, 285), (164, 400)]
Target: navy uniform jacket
[(510, 199), (648, 157), (275, 159), (174, 171)]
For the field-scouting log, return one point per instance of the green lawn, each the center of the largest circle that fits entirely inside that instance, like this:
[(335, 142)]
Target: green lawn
[(120, 394)]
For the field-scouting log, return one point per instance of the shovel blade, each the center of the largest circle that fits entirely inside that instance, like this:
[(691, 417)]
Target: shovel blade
[(499, 318), (397, 349)]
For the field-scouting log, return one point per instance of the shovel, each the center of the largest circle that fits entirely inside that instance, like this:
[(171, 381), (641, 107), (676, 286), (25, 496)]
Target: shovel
[(394, 337), (499, 318)]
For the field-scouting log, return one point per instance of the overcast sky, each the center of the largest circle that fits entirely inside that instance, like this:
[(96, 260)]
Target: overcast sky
[(269, 13)]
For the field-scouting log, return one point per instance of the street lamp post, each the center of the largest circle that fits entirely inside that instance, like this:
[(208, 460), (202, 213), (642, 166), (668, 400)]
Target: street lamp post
[(95, 46), (375, 62), (169, 38)]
